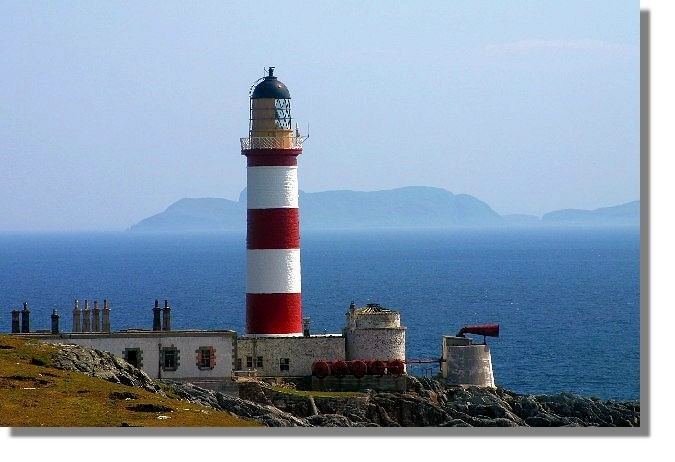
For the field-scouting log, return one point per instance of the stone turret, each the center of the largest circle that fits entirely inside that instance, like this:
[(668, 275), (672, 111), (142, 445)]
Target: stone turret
[(156, 317), (86, 317), (96, 318), (466, 363), (166, 316), (16, 321), (25, 318), (106, 316), (77, 317), (374, 333), (55, 321)]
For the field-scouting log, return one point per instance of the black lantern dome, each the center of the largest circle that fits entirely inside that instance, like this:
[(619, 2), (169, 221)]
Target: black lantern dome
[(271, 87)]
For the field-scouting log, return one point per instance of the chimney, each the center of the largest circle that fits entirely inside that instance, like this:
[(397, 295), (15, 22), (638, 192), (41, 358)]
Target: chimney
[(25, 318), (350, 313), (305, 327), (86, 317), (16, 323), (96, 318), (106, 316), (55, 322), (166, 318), (77, 317), (156, 320)]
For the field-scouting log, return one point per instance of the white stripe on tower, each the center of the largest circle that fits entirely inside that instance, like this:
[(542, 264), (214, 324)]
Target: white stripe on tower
[(273, 271), (272, 187)]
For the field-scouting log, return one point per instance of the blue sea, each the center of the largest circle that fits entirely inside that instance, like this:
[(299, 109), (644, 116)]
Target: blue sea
[(567, 300)]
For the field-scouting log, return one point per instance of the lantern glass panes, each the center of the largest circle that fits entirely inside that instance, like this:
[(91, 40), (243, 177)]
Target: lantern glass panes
[(282, 114)]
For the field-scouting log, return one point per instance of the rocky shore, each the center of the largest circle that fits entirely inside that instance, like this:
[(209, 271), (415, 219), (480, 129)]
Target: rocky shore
[(428, 402)]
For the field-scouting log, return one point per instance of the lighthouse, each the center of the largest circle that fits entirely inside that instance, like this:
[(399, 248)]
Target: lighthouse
[(273, 289)]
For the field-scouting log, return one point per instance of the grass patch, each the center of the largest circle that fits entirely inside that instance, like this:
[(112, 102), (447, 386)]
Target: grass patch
[(34, 395), (318, 394)]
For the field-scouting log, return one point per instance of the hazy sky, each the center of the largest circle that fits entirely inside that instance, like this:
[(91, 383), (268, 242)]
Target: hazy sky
[(110, 111)]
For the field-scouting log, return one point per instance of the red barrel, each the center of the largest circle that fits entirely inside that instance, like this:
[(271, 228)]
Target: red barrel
[(358, 368), (339, 368), (320, 369), (376, 368), (395, 367)]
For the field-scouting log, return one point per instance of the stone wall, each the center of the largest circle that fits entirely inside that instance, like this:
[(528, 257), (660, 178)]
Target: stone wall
[(467, 364), (351, 383), (383, 344), (301, 352), (382, 319)]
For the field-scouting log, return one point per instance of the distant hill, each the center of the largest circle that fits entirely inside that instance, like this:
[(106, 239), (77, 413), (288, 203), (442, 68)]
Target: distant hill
[(624, 214), (204, 214), (408, 207)]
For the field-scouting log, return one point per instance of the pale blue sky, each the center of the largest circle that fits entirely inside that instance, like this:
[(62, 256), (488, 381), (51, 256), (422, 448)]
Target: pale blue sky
[(110, 111)]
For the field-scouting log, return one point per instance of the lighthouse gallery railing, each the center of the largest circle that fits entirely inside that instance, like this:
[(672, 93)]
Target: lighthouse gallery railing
[(270, 142)]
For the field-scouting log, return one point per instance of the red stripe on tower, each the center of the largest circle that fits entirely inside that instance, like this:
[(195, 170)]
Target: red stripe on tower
[(273, 229), (273, 286), (273, 313)]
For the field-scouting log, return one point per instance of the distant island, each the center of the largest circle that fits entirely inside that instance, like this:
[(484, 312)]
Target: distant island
[(408, 208)]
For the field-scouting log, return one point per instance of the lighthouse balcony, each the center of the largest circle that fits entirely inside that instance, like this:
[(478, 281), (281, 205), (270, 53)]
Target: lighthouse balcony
[(272, 142)]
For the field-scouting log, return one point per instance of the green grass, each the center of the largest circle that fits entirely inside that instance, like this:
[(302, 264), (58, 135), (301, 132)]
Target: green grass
[(33, 394)]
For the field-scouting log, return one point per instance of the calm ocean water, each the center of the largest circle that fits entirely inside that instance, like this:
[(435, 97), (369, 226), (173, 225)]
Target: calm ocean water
[(567, 301)]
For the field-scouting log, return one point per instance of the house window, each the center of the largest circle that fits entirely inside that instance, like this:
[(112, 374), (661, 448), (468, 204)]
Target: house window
[(259, 361), (284, 364), (133, 356), (169, 358), (206, 358), (238, 364), (249, 361)]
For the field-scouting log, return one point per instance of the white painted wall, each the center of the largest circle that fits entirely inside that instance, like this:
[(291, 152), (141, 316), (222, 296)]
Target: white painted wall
[(273, 271), (272, 187), (149, 343), (467, 364)]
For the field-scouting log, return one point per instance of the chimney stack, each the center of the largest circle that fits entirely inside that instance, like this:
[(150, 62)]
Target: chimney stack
[(106, 316), (25, 318), (305, 327), (55, 322), (96, 320), (166, 316), (77, 317), (156, 320), (16, 323), (86, 317)]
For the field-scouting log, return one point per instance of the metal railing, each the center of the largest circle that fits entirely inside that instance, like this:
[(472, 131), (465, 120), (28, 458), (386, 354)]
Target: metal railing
[(271, 142)]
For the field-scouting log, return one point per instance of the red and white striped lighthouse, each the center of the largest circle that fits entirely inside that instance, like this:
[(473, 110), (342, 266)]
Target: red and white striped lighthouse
[(273, 295)]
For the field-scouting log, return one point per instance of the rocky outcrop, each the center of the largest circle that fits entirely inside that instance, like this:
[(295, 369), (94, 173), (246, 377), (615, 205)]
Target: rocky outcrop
[(268, 415), (103, 365), (428, 402)]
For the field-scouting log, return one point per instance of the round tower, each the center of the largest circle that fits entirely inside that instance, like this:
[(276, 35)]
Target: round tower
[(374, 333), (273, 295)]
